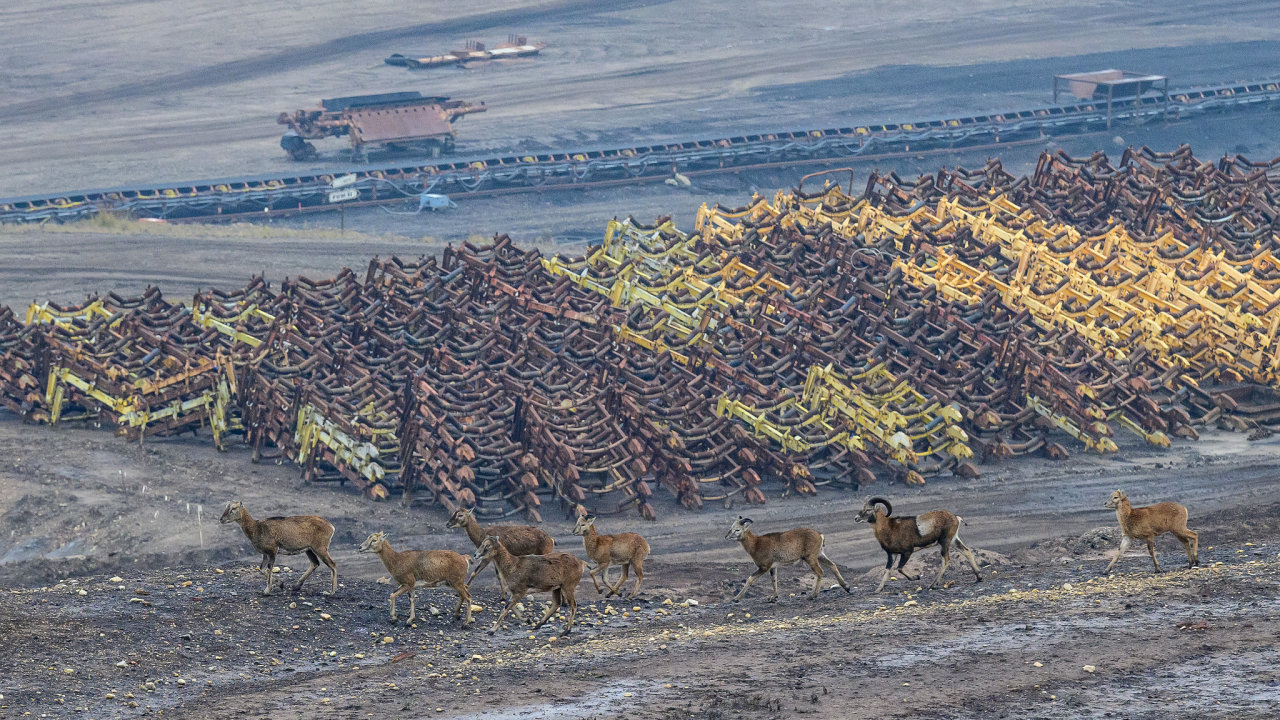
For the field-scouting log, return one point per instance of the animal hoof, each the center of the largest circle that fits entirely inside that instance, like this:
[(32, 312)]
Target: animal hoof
[(489, 631), (773, 599)]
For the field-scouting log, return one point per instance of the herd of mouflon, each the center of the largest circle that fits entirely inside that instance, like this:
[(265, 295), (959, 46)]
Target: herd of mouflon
[(525, 559)]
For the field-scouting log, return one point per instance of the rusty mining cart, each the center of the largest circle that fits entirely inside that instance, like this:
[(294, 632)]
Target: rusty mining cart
[(402, 121)]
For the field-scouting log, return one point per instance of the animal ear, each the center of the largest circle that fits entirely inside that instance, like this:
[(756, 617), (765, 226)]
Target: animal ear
[(746, 521)]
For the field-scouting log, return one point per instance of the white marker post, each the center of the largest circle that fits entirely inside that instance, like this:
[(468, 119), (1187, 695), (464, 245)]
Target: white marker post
[(341, 193)]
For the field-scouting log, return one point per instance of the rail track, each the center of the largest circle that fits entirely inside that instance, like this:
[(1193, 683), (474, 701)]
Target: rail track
[(395, 183)]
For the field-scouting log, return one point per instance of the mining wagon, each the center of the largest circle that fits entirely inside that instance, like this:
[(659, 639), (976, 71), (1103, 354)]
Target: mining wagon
[(408, 122)]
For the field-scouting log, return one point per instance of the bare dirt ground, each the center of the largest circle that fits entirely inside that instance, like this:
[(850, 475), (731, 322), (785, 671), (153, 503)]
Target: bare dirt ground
[(122, 596), (126, 598)]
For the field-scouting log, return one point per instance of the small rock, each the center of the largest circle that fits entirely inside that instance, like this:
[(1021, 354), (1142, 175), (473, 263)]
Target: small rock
[(433, 610), (1068, 586), (69, 671), (387, 639), (110, 696), (358, 656), (81, 592), (478, 658), (1038, 664), (691, 602), (275, 570), (186, 583), (122, 664), (1089, 668), (910, 603), (635, 609), (326, 616), (333, 653), (627, 694), (181, 681), (218, 571), (293, 606), (476, 608), (217, 632), (116, 579)]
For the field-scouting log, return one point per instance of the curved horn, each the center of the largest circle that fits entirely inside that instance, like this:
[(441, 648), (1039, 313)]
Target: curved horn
[(888, 509)]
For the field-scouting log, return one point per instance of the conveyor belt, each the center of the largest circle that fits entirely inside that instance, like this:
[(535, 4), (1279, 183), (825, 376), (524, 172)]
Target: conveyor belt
[(282, 194)]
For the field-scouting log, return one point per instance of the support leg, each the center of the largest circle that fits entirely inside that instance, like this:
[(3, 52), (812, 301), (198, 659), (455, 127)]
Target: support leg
[(269, 561), (1124, 547), (946, 560), (835, 570), (515, 598), (398, 592), (622, 577), (754, 576), (639, 566), (333, 571), (902, 565), (556, 602), (315, 563), (888, 565), (817, 574)]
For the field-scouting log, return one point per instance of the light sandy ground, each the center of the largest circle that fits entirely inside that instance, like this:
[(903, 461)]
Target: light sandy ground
[(106, 94)]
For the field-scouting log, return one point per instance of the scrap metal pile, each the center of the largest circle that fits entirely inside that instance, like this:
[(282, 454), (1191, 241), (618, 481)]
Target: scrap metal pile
[(805, 340)]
